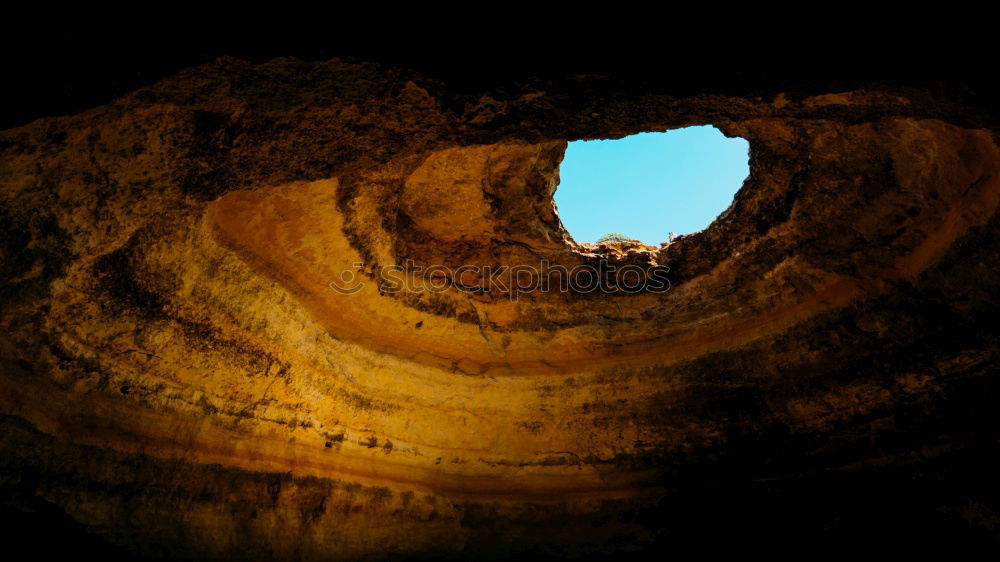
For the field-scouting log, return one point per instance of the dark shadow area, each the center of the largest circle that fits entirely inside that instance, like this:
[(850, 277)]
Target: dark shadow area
[(59, 60)]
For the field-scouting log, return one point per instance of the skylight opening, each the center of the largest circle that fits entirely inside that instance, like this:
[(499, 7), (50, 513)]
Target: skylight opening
[(649, 185)]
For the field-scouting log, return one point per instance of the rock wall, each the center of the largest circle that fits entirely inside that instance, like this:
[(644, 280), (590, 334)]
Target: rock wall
[(180, 379)]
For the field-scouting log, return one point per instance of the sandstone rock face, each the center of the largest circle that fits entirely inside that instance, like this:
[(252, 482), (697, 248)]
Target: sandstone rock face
[(180, 379)]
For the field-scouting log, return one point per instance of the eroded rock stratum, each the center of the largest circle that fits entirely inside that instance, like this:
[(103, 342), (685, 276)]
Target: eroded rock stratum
[(180, 380)]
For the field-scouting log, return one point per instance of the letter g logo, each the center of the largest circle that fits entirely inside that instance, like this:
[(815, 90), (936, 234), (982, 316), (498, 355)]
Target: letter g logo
[(348, 283)]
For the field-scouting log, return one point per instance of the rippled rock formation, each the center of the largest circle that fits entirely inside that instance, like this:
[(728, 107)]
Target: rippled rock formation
[(180, 379)]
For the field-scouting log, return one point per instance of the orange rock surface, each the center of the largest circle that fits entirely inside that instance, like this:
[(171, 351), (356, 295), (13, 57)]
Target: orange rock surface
[(180, 379)]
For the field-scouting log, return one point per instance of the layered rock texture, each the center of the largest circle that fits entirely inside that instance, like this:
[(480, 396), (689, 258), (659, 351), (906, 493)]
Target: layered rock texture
[(179, 378)]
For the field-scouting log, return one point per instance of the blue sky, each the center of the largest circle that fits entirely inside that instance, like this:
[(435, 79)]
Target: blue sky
[(649, 184)]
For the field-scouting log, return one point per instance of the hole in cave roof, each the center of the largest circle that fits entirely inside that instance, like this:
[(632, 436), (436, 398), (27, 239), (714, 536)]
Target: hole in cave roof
[(648, 185)]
